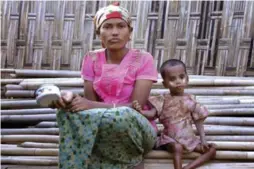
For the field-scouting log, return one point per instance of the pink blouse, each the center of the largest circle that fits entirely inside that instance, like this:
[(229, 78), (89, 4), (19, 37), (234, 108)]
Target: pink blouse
[(114, 83)]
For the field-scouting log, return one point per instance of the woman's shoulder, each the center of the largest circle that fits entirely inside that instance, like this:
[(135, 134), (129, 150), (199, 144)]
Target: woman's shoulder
[(142, 53), (95, 54)]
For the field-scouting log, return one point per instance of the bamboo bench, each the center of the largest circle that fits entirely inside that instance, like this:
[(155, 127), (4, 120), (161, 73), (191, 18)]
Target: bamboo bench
[(230, 123)]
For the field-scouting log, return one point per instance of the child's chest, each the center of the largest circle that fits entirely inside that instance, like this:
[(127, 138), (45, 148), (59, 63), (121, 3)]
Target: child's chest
[(176, 108)]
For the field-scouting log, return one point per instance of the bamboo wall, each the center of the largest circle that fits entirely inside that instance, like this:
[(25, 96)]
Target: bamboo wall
[(211, 37)]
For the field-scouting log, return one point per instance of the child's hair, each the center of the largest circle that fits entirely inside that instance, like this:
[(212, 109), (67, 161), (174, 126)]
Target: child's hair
[(170, 62)]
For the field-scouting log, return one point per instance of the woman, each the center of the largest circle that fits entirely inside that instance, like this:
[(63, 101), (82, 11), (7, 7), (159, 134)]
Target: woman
[(105, 132)]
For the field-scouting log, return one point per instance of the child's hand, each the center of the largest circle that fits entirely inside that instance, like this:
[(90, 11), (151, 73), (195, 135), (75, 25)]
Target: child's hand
[(136, 106), (204, 146)]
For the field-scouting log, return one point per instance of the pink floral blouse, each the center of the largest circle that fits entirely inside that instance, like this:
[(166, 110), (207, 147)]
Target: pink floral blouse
[(114, 83), (177, 113)]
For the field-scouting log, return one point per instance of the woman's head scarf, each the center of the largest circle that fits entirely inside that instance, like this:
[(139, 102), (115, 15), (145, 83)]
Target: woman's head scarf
[(111, 11)]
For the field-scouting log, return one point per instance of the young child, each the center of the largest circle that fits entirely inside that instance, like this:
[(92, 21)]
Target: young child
[(177, 111)]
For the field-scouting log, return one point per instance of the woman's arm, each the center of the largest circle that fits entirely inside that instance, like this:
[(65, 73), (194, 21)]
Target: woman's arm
[(141, 91), (90, 100), (89, 92)]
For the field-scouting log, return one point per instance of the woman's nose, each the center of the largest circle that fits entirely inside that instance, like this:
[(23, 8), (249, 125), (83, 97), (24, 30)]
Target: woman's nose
[(115, 31)]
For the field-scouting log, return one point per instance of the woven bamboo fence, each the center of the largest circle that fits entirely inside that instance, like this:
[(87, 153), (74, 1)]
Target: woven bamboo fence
[(211, 37)]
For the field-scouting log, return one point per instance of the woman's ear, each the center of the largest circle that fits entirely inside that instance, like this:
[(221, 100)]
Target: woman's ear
[(187, 78)]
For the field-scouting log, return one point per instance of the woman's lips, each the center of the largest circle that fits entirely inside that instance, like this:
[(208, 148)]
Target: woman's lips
[(114, 40)]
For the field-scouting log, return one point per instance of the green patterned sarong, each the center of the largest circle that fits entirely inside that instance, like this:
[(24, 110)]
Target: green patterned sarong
[(116, 138)]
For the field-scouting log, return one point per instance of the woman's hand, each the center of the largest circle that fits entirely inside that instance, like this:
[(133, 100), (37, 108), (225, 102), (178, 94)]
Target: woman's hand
[(66, 98), (78, 104)]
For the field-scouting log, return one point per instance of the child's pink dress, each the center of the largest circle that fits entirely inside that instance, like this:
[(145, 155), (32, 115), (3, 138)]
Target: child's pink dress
[(177, 113)]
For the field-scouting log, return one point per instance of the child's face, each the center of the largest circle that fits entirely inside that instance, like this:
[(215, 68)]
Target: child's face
[(176, 79)]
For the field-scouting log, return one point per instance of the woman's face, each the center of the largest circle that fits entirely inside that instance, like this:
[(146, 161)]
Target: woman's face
[(114, 33)]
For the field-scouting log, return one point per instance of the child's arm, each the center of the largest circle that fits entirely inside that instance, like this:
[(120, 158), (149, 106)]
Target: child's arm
[(200, 128), (149, 114)]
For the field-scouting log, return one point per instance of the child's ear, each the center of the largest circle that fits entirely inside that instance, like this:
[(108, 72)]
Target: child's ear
[(187, 79)]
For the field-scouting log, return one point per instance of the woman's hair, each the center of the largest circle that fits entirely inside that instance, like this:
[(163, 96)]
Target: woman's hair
[(111, 11), (168, 63)]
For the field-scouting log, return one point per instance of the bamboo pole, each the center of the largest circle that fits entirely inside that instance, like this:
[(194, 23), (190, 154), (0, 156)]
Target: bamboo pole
[(219, 81), (44, 131), (61, 82), (54, 139), (12, 104), (29, 151), (208, 92), (235, 112), (222, 145), (46, 124), (13, 87), (38, 145), (28, 118), (233, 101), (29, 161), (221, 87), (20, 93), (233, 155), (68, 73), (10, 81), (222, 82), (230, 138), (46, 73), (7, 70), (209, 130), (19, 104), (31, 93), (78, 82), (31, 138), (230, 106), (33, 157), (232, 121), (28, 111), (220, 155), (222, 130)]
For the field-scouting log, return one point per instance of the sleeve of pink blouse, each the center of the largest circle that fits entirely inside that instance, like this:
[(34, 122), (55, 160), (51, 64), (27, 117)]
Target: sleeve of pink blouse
[(147, 69), (87, 71)]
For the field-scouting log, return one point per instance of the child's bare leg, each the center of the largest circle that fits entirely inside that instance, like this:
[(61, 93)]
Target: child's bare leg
[(208, 155), (177, 150)]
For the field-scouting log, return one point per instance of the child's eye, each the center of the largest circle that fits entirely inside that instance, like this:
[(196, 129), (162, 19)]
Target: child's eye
[(172, 79)]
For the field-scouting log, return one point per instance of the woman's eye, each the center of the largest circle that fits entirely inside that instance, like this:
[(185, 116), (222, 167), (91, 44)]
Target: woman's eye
[(121, 26), (106, 26)]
